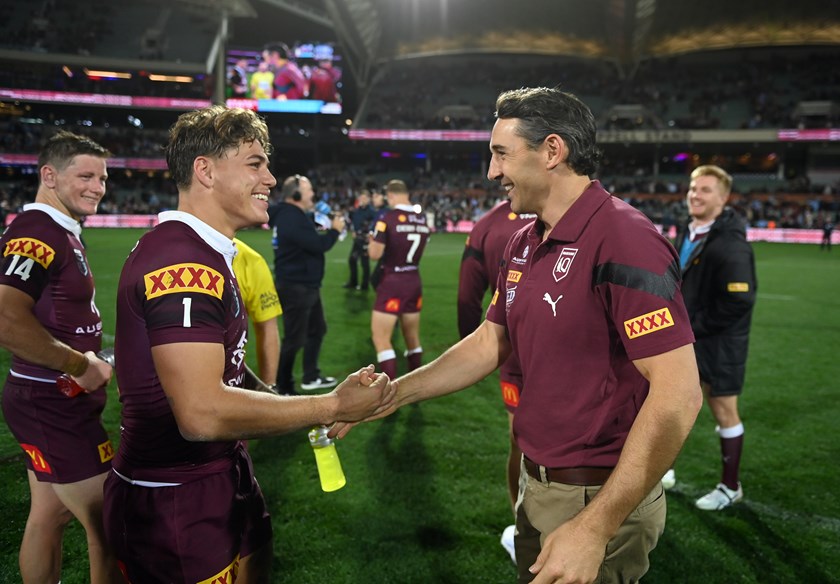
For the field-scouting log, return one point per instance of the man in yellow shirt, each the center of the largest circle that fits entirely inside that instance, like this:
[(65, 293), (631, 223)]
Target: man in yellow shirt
[(262, 305)]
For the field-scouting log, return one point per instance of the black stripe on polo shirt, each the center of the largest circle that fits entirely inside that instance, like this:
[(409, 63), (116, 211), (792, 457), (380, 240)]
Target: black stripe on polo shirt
[(471, 252), (664, 286)]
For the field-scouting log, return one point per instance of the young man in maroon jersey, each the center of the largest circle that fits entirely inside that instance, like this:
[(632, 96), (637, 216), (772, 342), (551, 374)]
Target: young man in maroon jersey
[(182, 504), (480, 271), (588, 300), (50, 324), (398, 240)]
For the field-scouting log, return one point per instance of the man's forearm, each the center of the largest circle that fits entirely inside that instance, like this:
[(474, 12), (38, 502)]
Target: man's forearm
[(655, 439), (463, 365)]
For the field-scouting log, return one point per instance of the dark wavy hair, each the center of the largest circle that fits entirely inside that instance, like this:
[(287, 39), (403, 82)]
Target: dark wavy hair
[(211, 131), (542, 111), (63, 146)]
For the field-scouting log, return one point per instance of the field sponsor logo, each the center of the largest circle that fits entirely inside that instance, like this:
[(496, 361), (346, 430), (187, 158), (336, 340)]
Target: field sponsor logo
[(514, 276), (510, 394), (180, 278), (106, 451), (738, 287), (30, 248), (564, 263), (226, 576), (39, 463), (648, 323)]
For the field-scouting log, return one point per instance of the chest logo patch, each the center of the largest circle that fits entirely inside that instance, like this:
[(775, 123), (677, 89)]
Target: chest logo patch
[(648, 323), (30, 248), (547, 297), (514, 276), (564, 263), (738, 287), (180, 278)]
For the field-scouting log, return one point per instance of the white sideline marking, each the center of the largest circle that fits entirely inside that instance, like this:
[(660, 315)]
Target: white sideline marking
[(776, 296)]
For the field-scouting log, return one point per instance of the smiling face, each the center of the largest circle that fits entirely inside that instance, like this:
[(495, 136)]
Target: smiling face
[(76, 189), (706, 198), (519, 169), (241, 186)]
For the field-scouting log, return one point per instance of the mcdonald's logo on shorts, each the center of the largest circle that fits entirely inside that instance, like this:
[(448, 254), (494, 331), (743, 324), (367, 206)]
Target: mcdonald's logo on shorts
[(29, 247), (180, 278), (393, 305), (39, 463)]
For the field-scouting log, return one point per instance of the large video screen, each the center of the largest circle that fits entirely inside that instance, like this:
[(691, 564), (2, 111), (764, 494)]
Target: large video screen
[(299, 78)]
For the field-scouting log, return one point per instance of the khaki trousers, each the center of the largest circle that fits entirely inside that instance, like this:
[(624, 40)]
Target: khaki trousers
[(542, 507)]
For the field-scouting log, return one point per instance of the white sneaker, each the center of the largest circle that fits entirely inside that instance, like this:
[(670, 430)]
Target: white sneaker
[(507, 541), (721, 498), (318, 383), (669, 479)]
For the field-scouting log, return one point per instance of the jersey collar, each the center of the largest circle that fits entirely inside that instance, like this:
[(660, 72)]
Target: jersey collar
[(65, 221), (215, 239), (571, 225)]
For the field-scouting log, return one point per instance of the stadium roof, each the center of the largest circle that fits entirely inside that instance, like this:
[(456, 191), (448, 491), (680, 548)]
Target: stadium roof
[(622, 31)]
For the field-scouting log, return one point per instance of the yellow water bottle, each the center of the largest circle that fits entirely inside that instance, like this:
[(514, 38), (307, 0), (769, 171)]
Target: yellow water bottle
[(326, 457)]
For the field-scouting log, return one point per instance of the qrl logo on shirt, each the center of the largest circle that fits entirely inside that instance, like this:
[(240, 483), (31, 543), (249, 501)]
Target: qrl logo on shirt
[(180, 278), (30, 248), (648, 323), (564, 263)]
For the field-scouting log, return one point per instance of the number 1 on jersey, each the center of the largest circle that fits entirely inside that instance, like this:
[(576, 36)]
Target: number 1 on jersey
[(187, 302)]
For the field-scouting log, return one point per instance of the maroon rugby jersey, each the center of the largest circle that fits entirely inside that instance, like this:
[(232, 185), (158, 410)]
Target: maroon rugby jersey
[(481, 259), (43, 257), (404, 232), (601, 291), (176, 286)]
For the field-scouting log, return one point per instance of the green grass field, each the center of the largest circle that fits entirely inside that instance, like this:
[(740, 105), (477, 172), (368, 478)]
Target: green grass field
[(425, 500)]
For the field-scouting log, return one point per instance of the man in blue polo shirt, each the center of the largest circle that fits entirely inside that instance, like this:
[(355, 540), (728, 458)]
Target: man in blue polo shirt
[(588, 299)]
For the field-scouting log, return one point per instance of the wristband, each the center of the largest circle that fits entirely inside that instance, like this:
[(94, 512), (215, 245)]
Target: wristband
[(75, 364)]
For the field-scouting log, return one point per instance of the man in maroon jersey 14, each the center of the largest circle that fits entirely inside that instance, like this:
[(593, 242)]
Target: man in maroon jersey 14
[(182, 504), (399, 238), (479, 271), (50, 323)]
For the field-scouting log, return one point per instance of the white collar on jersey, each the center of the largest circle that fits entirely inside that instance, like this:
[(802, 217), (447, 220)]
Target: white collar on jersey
[(65, 221), (408, 208), (215, 239)]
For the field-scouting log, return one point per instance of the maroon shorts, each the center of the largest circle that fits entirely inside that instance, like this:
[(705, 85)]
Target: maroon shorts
[(195, 532), (63, 437), (399, 293)]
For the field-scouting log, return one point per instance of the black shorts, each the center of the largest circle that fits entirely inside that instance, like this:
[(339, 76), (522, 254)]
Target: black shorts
[(722, 362)]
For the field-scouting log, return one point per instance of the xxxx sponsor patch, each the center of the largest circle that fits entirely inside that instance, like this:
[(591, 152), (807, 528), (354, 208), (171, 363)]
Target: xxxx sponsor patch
[(29, 247), (180, 278), (226, 576), (106, 451), (651, 322), (514, 276)]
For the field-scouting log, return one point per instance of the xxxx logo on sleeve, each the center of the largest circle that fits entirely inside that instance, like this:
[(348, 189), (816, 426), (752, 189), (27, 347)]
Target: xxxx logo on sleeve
[(30, 248), (648, 323), (180, 278)]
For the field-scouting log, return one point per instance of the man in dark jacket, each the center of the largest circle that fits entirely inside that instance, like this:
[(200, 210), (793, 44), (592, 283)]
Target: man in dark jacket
[(298, 271), (719, 288)]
